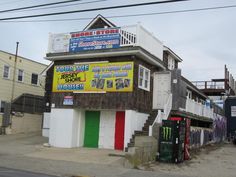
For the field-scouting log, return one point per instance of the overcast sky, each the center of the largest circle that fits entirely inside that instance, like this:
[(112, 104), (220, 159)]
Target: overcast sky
[(205, 40)]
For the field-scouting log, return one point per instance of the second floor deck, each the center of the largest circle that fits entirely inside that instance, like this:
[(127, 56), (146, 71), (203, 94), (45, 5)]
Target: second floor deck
[(128, 36)]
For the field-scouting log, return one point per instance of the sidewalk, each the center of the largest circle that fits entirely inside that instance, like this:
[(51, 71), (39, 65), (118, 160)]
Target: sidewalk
[(31, 145), (25, 152)]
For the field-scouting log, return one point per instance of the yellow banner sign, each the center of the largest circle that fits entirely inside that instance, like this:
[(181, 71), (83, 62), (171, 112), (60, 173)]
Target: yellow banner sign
[(94, 77)]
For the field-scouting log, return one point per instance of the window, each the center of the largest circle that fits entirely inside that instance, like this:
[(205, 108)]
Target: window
[(171, 63), (34, 79), (20, 75), (6, 72), (144, 78), (189, 94), (2, 106)]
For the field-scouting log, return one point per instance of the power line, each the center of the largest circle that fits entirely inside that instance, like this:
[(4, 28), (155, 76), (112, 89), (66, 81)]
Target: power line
[(65, 5), (94, 9), (130, 15), (36, 6)]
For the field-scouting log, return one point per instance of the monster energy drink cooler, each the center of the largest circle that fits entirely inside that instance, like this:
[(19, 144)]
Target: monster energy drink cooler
[(172, 135)]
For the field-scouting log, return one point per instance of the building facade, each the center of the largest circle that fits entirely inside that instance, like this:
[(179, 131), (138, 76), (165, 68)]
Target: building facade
[(27, 80), (108, 84)]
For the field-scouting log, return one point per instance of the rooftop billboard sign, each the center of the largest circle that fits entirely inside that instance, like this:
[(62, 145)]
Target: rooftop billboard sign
[(96, 39)]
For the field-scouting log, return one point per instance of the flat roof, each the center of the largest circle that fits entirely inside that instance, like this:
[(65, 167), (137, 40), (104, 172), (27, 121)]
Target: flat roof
[(23, 58)]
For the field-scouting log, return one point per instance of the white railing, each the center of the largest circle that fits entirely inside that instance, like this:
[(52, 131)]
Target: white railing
[(162, 115), (134, 35), (198, 108)]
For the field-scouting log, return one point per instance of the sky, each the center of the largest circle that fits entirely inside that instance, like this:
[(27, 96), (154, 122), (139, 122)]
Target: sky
[(205, 40)]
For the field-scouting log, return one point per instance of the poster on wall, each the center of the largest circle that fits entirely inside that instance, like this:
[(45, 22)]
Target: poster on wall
[(68, 100), (233, 111), (94, 39), (59, 43), (94, 77)]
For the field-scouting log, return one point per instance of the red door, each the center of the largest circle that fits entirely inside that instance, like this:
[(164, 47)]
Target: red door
[(119, 130)]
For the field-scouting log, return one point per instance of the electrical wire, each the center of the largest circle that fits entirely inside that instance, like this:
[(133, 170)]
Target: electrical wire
[(129, 15), (93, 9), (40, 5), (65, 5)]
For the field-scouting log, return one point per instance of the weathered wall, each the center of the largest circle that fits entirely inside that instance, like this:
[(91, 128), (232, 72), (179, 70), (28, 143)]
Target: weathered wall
[(27, 123), (178, 89), (139, 99), (144, 150)]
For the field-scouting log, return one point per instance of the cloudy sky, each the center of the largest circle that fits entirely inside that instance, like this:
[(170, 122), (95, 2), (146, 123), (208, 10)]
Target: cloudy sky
[(205, 40)]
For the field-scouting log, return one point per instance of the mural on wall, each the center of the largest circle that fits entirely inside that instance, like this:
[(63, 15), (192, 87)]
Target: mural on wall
[(219, 128), (94, 77)]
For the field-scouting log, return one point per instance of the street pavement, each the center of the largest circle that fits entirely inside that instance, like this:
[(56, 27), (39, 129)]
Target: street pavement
[(26, 153), (7, 172)]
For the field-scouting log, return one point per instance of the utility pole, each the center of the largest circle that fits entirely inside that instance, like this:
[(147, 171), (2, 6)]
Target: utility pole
[(14, 73)]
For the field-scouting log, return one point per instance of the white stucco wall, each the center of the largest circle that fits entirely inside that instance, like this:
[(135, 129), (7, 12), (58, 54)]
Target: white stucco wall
[(46, 124), (80, 116), (133, 121), (60, 134), (107, 129), (66, 128)]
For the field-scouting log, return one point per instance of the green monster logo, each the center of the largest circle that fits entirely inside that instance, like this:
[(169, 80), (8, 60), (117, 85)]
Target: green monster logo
[(167, 133)]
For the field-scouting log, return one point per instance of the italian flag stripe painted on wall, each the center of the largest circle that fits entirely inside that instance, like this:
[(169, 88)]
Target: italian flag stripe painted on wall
[(104, 129)]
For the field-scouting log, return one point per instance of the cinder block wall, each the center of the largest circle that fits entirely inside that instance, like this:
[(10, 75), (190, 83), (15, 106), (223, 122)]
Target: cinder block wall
[(27, 123), (146, 148)]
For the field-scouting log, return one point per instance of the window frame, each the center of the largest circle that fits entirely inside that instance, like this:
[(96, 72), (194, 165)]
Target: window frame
[(9, 71), (22, 75), (1, 102), (171, 63), (146, 77), (37, 79)]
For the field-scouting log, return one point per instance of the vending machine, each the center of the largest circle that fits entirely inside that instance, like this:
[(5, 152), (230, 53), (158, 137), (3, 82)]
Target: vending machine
[(171, 141)]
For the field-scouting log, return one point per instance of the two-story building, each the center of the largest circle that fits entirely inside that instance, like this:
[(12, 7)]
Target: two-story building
[(21, 93), (108, 84)]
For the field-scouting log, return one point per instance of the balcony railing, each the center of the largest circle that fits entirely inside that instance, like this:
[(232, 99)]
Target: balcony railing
[(134, 35), (209, 84), (198, 109)]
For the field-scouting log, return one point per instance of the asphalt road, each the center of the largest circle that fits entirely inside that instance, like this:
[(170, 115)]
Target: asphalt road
[(7, 172)]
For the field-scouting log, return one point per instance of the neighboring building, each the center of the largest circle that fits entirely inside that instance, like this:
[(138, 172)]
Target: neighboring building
[(28, 87), (218, 89), (108, 84)]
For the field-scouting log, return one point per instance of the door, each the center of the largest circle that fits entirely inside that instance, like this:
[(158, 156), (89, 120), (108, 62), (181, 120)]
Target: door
[(92, 119), (119, 130), (161, 89)]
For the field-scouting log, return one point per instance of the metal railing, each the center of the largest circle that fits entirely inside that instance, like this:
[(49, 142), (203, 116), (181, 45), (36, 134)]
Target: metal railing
[(209, 84), (162, 115)]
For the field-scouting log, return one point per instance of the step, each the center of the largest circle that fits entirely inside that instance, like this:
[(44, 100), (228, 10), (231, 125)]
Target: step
[(130, 144)]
